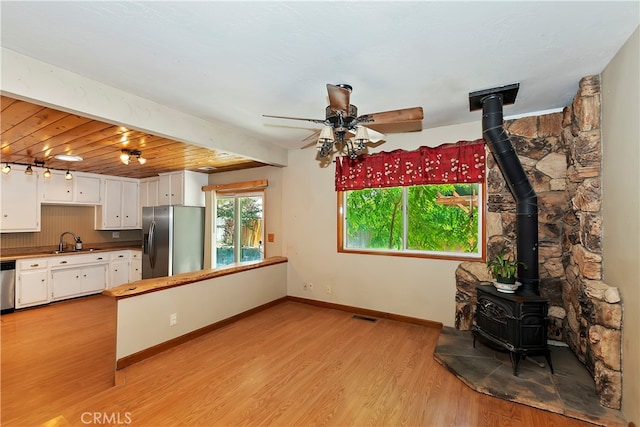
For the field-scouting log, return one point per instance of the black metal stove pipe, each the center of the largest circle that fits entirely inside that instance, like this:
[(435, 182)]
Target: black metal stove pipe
[(498, 141)]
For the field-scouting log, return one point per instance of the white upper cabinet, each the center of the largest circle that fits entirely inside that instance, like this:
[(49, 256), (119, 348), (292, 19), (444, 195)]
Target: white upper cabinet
[(149, 191), (119, 209), (82, 189), (182, 188), (19, 209)]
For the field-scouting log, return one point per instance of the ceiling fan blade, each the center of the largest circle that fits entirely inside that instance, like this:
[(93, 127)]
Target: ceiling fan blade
[(296, 118), (396, 127), (394, 116), (339, 97), (313, 138)]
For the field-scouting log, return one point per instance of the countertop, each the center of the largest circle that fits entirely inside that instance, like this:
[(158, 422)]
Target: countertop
[(48, 251), (145, 286)]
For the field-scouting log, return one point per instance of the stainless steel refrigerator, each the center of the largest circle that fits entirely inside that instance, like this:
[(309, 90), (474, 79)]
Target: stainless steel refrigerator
[(173, 240)]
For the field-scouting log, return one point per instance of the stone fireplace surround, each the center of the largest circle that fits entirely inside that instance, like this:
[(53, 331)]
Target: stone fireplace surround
[(561, 154)]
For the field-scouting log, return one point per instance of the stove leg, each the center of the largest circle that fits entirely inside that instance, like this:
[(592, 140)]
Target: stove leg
[(547, 355), (515, 361)]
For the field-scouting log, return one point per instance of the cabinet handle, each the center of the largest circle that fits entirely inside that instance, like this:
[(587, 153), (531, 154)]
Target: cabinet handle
[(5, 215), (120, 256), (99, 258), (63, 262), (34, 265)]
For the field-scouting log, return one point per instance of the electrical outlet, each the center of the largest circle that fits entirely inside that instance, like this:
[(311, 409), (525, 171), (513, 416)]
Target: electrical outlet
[(328, 289), (115, 235), (173, 319)]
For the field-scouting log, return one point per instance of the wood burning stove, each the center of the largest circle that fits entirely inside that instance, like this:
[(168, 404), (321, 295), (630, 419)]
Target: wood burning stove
[(514, 322)]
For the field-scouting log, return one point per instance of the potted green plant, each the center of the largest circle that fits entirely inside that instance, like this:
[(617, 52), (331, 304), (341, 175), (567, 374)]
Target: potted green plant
[(503, 267)]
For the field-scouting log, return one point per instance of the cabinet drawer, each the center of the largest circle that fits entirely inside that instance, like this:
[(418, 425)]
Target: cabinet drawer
[(119, 255), (32, 264), (65, 261)]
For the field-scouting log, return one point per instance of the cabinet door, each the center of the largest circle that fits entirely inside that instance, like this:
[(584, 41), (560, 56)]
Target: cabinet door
[(135, 268), (112, 205), (56, 188), (119, 273), (87, 189), (177, 189), (19, 201), (164, 190), (94, 278), (32, 288), (66, 283), (130, 204)]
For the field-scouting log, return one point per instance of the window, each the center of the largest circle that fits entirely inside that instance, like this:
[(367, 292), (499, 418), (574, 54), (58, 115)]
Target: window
[(438, 220), (239, 228)]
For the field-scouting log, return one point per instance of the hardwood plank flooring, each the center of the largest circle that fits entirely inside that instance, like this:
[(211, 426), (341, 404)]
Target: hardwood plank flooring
[(290, 365), (54, 356)]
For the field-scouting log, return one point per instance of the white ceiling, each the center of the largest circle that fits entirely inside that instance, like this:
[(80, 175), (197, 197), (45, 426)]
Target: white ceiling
[(231, 62)]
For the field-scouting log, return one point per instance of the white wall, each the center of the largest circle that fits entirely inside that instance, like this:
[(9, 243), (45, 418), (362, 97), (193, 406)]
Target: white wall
[(143, 321), (416, 287), (621, 205), (273, 200)]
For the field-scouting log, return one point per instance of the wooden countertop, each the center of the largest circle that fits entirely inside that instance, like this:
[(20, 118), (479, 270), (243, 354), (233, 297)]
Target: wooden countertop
[(48, 251), (145, 286)]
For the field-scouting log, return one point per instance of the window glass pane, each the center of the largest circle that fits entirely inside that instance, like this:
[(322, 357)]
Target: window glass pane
[(374, 219), (252, 228), (225, 227), (443, 218)]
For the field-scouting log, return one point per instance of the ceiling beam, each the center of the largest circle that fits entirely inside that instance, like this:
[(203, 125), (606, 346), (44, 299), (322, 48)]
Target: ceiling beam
[(35, 81)]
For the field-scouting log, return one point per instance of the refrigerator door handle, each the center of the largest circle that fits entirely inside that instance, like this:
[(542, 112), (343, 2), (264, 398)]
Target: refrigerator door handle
[(152, 249)]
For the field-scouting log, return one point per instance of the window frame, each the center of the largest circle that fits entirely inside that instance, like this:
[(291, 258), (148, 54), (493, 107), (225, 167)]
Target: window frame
[(236, 195), (482, 243)]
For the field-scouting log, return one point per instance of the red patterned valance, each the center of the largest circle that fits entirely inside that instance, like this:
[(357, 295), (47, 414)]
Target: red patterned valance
[(460, 162)]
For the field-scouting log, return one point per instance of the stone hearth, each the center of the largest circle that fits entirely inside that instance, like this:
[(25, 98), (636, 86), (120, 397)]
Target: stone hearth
[(569, 391)]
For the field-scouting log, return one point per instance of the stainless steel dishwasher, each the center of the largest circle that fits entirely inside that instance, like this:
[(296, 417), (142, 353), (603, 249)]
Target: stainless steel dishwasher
[(7, 286)]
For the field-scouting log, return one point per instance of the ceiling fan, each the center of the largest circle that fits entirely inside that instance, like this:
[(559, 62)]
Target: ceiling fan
[(347, 132)]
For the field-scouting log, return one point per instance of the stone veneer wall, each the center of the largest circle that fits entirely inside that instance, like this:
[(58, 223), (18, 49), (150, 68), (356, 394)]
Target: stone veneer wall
[(561, 155), (594, 310)]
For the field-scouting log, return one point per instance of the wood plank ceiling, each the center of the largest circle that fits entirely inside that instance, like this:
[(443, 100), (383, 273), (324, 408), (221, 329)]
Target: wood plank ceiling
[(33, 133)]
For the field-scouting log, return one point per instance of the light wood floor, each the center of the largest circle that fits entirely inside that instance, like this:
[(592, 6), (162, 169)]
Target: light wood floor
[(290, 365)]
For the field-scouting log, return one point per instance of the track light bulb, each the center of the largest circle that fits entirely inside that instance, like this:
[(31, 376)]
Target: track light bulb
[(6, 168), (68, 176), (47, 173)]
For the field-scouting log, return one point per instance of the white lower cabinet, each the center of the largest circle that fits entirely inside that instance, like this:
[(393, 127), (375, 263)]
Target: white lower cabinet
[(43, 280), (135, 272), (118, 268), (31, 285), (77, 281)]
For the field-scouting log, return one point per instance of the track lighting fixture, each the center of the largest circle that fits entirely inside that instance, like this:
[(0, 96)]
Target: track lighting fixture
[(125, 156), (68, 176), (28, 170), (47, 173), (6, 168)]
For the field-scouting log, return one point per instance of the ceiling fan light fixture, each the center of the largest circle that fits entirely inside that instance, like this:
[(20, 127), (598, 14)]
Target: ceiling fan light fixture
[(326, 134), (142, 160), (362, 136)]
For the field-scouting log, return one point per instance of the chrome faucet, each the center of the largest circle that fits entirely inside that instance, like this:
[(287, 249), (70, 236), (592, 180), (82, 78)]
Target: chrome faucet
[(61, 244)]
